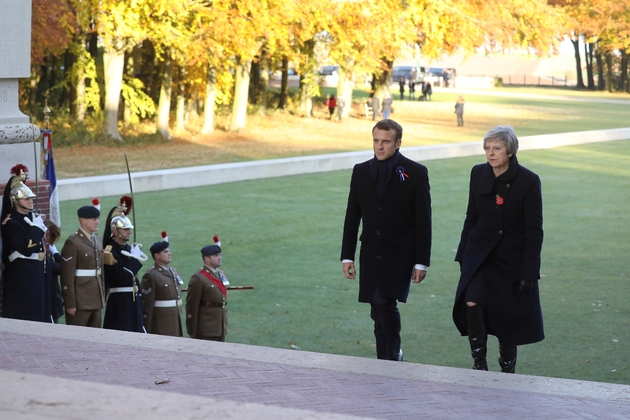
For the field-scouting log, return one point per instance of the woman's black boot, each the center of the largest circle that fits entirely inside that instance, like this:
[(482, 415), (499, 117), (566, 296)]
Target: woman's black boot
[(477, 336), (507, 359)]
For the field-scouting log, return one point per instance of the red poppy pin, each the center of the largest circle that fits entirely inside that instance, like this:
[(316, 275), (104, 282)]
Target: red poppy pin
[(499, 200)]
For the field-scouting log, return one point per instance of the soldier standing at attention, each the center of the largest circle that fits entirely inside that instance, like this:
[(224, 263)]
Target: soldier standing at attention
[(82, 272), (26, 288), (206, 314), (162, 293), (121, 265)]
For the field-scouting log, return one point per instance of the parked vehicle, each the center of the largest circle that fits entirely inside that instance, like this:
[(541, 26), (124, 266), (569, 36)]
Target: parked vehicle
[(415, 73)]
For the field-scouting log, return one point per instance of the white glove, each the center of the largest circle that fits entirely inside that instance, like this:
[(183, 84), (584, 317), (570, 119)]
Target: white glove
[(53, 249), (136, 252), (39, 222)]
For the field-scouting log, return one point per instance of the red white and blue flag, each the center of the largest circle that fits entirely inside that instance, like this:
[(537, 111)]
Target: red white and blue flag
[(55, 216)]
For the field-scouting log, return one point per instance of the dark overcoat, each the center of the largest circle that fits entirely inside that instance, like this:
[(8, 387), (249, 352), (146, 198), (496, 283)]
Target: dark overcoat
[(26, 286), (396, 232), (122, 312), (502, 243)]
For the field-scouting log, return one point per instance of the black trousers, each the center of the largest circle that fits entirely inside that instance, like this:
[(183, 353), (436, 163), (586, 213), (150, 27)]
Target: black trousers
[(384, 313)]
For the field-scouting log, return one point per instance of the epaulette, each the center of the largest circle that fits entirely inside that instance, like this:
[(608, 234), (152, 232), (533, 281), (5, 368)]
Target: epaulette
[(6, 219)]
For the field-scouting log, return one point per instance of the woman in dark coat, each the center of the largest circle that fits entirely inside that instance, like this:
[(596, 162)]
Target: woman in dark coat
[(499, 254)]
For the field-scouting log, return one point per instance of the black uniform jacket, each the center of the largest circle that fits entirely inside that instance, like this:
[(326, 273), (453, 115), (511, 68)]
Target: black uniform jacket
[(122, 311), (503, 242), (396, 232), (26, 286)]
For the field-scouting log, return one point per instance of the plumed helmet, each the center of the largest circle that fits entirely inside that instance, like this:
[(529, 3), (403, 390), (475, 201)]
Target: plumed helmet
[(119, 219), (121, 222), (19, 190)]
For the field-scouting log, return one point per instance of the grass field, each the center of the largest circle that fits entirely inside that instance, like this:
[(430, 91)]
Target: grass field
[(281, 134), (283, 235)]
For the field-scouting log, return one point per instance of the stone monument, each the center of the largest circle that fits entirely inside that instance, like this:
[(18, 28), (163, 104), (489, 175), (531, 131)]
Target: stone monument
[(17, 134)]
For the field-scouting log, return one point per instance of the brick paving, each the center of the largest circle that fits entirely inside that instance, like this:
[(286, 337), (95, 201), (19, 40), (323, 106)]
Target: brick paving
[(285, 385)]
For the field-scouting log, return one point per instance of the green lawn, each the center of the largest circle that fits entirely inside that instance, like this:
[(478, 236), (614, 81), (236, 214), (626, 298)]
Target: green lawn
[(283, 236)]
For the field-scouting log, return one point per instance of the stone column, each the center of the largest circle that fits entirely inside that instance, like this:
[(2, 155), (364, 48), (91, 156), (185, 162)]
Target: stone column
[(17, 134)]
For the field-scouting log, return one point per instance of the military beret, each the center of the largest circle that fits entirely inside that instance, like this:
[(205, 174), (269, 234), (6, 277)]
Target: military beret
[(158, 247), (88, 212), (210, 250)]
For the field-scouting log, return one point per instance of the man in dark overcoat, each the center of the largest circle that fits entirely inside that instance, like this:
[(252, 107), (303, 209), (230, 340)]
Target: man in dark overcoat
[(499, 254), (390, 195)]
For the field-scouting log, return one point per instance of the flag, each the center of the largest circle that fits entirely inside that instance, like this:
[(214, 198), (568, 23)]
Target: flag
[(55, 216)]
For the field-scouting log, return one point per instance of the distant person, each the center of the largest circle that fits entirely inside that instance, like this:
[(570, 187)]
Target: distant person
[(459, 110), (341, 103), (390, 198), (401, 88), (206, 312), (499, 254), (445, 77), (331, 103), (375, 108), (424, 91), (429, 90), (162, 293), (412, 90), (82, 277), (387, 105)]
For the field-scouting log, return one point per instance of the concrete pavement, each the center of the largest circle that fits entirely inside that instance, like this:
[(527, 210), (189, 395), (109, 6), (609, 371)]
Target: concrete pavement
[(60, 371)]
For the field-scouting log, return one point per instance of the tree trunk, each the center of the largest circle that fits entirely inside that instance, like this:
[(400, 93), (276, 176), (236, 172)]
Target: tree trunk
[(254, 83), (208, 107), (602, 81), (609, 85), (130, 75), (623, 83), (306, 100), (578, 63), (74, 88), (588, 56), (164, 104), (180, 110), (264, 83), (241, 87), (284, 83), (114, 62)]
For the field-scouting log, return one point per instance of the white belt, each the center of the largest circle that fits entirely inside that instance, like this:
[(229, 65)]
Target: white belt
[(86, 273), (15, 255), (120, 289), (167, 303)]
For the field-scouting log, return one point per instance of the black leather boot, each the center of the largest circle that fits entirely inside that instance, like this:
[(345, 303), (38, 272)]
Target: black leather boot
[(507, 359), (477, 336)]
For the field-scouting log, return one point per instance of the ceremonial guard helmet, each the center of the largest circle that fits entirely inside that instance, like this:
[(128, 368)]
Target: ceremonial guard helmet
[(19, 190)]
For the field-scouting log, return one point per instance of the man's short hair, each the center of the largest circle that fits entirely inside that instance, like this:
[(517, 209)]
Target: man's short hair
[(389, 125)]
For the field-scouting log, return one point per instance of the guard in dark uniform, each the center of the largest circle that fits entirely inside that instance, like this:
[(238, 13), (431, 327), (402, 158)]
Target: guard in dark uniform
[(162, 293), (206, 312), (121, 265), (82, 282), (26, 286)]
